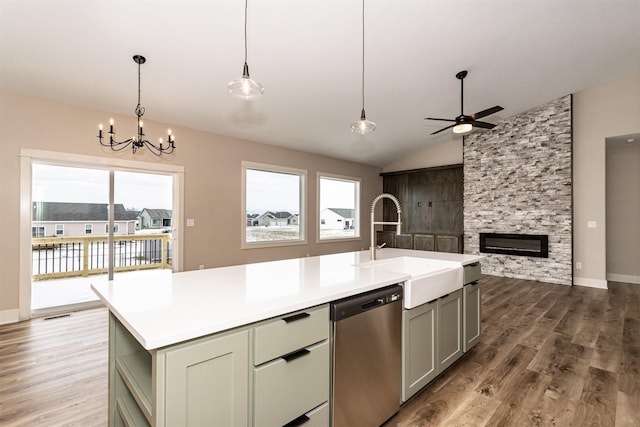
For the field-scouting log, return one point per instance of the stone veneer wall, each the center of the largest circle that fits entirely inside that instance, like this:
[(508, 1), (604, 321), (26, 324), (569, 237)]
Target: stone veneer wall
[(517, 179)]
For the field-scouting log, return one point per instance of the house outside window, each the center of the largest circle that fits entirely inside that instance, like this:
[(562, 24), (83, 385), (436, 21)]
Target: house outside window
[(338, 207), (37, 231), (88, 229), (273, 205), (59, 229)]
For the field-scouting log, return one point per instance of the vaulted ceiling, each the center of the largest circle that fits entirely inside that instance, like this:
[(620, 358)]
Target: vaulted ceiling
[(307, 54)]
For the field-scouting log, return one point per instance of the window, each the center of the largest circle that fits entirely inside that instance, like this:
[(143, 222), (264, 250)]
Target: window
[(37, 231), (339, 207), (273, 205), (88, 228), (59, 229), (115, 228)]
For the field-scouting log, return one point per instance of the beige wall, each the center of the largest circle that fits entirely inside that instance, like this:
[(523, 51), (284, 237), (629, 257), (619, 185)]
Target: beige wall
[(607, 110), (623, 210), (212, 166)]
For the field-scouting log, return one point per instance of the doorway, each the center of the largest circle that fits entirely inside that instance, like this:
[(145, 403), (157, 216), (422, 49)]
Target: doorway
[(68, 226), (623, 208)]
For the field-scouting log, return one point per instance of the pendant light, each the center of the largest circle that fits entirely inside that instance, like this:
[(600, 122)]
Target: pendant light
[(363, 125), (245, 87)]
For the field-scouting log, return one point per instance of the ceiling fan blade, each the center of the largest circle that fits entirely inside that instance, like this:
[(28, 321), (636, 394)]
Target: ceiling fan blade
[(486, 112), (483, 125), (442, 120), (443, 129)]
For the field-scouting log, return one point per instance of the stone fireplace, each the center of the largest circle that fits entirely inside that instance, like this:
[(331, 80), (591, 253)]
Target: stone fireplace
[(517, 181)]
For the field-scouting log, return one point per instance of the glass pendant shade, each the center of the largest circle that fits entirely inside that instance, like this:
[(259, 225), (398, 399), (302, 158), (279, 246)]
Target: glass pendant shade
[(245, 87), (463, 128), (363, 125)]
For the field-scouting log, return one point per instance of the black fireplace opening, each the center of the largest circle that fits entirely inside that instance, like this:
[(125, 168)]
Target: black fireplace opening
[(534, 245)]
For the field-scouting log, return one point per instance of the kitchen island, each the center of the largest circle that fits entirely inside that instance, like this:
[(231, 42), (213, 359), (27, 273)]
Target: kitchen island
[(235, 326)]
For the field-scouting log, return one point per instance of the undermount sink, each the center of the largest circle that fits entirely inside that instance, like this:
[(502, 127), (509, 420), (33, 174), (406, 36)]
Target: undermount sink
[(430, 279)]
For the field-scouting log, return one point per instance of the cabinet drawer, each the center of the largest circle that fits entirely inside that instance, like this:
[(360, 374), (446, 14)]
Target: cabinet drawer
[(290, 333), (471, 272), (317, 417), (285, 390)]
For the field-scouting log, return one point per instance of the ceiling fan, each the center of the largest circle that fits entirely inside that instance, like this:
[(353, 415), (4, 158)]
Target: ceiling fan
[(464, 123)]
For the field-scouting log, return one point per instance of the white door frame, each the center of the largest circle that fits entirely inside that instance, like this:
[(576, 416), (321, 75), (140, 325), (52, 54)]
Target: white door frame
[(27, 158)]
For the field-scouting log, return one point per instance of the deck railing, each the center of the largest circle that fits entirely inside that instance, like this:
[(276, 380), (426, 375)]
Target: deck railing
[(57, 257)]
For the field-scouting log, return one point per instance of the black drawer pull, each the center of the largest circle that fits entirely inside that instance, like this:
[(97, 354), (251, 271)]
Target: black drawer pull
[(295, 317), (444, 296), (292, 356), (298, 421)]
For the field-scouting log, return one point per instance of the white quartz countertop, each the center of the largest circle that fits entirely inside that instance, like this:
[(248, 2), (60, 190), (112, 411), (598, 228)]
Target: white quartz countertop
[(160, 308)]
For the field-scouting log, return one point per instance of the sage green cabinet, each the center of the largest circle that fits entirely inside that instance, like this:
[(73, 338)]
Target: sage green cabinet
[(199, 382), (472, 315), (419, 343), (206, 382), (449, 327)]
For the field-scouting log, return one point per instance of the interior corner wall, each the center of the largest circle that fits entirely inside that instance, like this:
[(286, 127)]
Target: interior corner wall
[(517, 179)]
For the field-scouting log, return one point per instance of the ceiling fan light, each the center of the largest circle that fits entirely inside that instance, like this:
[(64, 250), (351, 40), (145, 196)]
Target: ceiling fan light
[(462, 128)]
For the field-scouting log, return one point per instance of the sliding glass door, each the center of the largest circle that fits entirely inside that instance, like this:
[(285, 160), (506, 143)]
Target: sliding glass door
[(71, 230)]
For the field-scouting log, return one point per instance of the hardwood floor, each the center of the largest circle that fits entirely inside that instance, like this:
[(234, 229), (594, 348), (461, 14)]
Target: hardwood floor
[(550, 355), (55, 372)]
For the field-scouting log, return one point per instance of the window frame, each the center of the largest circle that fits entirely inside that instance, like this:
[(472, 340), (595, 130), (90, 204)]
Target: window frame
[(357, 215), (302, 200), (88, 229), (59, 229)]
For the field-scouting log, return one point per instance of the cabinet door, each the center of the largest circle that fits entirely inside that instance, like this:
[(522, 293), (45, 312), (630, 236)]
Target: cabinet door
[(206, 382), (472, 327), (419, 360), (449, 329)]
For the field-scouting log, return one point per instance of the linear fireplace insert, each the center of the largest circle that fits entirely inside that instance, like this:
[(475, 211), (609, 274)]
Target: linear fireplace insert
[(535, 245)]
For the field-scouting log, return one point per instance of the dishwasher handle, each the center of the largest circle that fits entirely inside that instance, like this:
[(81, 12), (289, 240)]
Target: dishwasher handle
[(361, 303), (371, 304)]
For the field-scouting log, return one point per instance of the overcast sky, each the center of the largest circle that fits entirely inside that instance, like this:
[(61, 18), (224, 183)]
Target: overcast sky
[(269, 191), (70, 184)]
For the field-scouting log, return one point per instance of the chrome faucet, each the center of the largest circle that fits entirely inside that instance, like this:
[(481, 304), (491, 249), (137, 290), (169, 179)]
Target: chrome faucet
[(398, 223)]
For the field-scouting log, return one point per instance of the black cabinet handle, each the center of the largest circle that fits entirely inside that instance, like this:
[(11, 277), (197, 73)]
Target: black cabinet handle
[(296, 354), (298, 421), (295, 317)]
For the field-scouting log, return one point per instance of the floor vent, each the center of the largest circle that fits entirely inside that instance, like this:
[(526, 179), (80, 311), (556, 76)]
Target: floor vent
[(58, 316)]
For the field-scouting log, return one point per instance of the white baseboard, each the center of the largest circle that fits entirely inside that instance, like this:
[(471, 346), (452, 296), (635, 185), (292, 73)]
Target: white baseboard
[(590, 283), (9, 316), (625, 278)]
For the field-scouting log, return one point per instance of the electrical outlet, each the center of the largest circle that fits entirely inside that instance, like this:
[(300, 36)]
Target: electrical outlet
[(592, 224), (578, 265), (191, 222), (201, 267)]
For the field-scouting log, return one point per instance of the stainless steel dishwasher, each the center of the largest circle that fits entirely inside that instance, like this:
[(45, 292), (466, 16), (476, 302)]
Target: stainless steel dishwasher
[(366, 347)]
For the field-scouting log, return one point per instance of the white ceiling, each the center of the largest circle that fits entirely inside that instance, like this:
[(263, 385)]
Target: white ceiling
[(307, 54)]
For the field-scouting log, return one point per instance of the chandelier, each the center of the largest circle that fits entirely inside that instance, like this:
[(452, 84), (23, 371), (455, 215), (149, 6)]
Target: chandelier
[(138, 141)]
